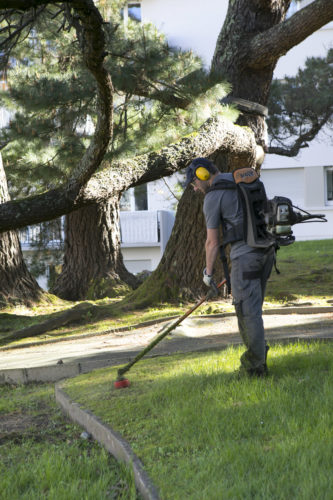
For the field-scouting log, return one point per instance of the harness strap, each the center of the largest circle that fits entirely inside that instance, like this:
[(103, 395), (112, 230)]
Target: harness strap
[(276, 248), (224, 184), (234, 233), (224, 261)]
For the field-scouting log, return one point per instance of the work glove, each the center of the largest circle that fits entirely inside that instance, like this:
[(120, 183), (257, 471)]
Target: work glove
[(207, 278)]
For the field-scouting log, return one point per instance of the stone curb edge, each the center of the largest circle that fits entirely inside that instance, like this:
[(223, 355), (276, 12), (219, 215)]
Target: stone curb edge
[(278, 310), (110, 439)]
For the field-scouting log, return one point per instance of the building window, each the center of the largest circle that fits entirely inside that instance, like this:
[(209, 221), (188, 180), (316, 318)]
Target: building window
[(329, 185), (140, 197), (132, 11), (134, 199)]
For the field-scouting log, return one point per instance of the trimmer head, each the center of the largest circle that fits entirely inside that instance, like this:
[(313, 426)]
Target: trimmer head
[(121, 383)]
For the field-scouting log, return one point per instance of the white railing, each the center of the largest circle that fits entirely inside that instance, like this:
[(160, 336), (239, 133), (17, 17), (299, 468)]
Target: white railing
[(137, 229), (146, 228)]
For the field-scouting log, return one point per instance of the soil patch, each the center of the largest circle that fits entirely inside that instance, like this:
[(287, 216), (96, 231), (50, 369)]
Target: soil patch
[(16, 427)]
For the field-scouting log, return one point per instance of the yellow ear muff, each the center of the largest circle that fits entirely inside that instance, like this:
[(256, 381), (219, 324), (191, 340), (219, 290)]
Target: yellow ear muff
[(202, 173)]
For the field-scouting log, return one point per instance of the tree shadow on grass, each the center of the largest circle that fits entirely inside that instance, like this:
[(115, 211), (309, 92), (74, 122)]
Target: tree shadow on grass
[(297, 358)]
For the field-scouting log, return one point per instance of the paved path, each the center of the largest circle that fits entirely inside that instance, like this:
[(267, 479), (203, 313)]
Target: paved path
[(68, 358)]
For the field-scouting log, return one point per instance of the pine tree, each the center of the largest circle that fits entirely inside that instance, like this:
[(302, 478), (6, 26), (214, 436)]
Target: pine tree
[(300, 106), (53, 96)]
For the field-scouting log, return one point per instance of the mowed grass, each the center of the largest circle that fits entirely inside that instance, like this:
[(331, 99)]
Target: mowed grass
[(203, 433), (42, 455), (306, 272)]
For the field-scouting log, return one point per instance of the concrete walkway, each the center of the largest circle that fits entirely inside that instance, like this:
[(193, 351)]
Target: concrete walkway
[(55, 361)]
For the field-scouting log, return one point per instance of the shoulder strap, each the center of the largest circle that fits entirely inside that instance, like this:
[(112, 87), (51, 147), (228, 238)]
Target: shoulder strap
[(223, 184)]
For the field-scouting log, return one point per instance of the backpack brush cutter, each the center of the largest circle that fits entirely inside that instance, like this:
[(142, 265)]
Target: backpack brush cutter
[(121, 381)]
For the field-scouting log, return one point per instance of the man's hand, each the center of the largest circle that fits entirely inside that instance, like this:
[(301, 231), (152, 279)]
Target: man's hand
[(207, 278)]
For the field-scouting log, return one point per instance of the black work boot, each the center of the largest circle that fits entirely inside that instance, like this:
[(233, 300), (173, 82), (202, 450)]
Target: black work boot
[(259, 372)]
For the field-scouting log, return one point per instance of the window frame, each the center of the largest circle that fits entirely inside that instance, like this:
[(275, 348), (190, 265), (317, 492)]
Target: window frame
[(326, 170), (132, 202)]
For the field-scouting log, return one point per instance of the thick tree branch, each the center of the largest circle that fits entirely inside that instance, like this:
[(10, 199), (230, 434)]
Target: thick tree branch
[(93, 50), (265, 48), (291, 152), (216, 133)]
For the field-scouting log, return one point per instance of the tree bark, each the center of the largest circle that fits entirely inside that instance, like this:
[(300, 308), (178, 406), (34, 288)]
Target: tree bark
[(93, 265), (179, 274), (17, 284), (58, 320)]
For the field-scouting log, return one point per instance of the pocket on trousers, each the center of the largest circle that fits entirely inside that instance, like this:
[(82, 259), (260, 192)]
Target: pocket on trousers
[(239, 285)]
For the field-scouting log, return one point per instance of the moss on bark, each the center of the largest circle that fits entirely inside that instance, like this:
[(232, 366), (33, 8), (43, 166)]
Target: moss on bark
[(106, 287)]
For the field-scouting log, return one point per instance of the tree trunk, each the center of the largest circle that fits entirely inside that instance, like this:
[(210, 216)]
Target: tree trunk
[(183, 260), (17, 284), (179, 274), (93, 265)]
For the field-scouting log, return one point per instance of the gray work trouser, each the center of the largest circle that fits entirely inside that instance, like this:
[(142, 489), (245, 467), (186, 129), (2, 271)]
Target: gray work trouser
[(249, 275)]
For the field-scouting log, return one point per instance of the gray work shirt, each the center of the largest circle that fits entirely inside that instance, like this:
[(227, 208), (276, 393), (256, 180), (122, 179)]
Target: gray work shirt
[(226, 204)]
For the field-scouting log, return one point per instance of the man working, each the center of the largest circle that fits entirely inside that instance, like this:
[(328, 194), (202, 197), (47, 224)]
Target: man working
[(250, 265)]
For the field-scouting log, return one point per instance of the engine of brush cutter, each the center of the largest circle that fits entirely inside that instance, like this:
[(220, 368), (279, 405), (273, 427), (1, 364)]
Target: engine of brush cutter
[(280, 216)]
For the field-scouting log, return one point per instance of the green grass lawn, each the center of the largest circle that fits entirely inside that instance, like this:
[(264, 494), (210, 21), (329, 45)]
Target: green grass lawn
[(202, 433), (306, 272), (42, 455)]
